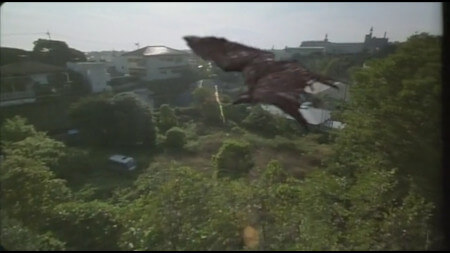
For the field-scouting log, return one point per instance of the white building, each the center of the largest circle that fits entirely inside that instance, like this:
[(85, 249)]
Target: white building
[(22, 82), (94, 72), (156, 62), (111, 59), (323, 91)]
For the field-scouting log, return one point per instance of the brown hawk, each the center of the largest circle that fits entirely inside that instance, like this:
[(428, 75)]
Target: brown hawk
[(278, 83)]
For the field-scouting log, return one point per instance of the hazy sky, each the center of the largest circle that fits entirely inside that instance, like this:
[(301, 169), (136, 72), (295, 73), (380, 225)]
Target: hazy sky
[(107, 26)]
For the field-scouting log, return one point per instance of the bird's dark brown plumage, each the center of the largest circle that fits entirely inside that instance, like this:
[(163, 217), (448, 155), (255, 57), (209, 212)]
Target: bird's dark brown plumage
[(279, 83)]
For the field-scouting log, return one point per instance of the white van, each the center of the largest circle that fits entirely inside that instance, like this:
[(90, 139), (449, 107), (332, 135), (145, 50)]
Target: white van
[(122, 163)]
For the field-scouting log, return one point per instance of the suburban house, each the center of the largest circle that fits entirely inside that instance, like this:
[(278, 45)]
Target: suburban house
[(115, 62), (316, 117), (156, 63), (327, 94), (94, 72), (22, 82)]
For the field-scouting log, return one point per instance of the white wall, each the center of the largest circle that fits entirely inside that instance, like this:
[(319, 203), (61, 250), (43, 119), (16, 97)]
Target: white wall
[(120, 64), (155, 66), (94, 72), (98, 77), (40, 78)]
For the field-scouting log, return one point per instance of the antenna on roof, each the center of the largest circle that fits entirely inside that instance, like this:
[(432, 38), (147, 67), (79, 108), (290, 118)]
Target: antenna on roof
[(48, 33)]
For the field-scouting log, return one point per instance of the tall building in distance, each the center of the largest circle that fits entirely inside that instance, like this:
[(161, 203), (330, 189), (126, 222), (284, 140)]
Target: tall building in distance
[(371, 44)]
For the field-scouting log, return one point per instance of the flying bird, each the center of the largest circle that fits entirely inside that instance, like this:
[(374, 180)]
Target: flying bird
[(278, 83)]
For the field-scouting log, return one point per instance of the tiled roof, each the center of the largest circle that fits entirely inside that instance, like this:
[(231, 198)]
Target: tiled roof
[(155, 50)]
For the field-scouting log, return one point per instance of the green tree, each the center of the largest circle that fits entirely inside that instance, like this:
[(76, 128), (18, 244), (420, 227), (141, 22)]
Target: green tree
[(86, 225), (167, 118), (233, 159), (121, 120), (175, 138), (393, 122), (183, 209), (39, 148), (93, 117), (21, 139), (205, 101), (13, 55), (55, 52), (16, 129), (401, 93), (30, 190), (133, 121), (15, 236), (261, 121)]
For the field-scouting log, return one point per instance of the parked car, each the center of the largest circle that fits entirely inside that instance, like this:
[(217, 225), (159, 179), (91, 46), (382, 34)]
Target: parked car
[(122, 163)]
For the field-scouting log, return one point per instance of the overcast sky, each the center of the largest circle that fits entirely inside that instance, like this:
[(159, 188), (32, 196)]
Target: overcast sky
[(107, 26)]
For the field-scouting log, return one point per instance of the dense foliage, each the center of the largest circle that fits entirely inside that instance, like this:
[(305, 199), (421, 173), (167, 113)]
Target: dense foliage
[(376, 187), (111, 121)]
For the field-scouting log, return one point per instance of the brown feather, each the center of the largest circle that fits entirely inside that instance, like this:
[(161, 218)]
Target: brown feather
[(279, 83)]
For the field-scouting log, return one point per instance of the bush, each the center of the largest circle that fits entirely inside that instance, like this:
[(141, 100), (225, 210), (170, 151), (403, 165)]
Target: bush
[(187, 113), (16, 129), (282, 143), (261, 121), (167, 118), (175, 138), (121, 120), (205, 101), (236, 113), (86, 225), (233, 159), (73, 162), (17, 237)]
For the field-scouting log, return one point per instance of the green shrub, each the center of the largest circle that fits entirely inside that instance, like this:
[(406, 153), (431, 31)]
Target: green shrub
[(205, 101), (260, 121), (175, 138), (233, 159), (167, 118), (236, 113), (187, 113), (16, 129), (121, 120), (285, 144), (86, 225), (74, 162)]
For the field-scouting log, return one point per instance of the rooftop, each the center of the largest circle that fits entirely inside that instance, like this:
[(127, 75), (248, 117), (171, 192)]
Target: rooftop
[(28, 68), (155, 50)]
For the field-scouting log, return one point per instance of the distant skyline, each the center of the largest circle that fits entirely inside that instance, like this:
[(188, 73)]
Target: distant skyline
[(119, 25)]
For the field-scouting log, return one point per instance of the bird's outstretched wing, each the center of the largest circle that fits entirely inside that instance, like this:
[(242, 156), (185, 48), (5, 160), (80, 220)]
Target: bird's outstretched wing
[(229, 56), (279, 83)]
